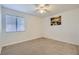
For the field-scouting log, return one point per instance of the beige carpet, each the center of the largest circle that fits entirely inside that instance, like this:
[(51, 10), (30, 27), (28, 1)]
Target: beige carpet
[(41, 46)]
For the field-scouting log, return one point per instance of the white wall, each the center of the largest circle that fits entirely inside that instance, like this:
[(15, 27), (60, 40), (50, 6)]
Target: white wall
[(32, 28), (0, 18), (36, 27), (0, 28), (0, 22), (68, 31)]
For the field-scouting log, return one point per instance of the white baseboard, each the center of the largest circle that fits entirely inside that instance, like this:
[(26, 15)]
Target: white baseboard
[(19, 41), (62, 41), (15, 42)]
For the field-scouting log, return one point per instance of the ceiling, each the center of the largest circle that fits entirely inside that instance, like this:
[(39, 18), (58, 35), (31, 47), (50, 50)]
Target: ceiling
[(30, 8)]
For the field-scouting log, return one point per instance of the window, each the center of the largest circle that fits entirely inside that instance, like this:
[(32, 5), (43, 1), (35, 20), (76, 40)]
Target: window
[(14, 23)]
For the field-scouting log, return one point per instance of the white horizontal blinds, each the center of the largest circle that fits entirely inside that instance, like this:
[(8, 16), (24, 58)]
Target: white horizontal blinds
[(14, 23), (10, 23), (20, 24)]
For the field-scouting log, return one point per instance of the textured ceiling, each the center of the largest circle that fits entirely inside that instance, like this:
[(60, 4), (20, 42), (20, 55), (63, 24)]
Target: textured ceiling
[(30, 8)]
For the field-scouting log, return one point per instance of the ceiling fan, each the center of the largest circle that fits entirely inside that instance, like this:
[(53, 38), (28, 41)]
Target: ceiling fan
[(43, 8)]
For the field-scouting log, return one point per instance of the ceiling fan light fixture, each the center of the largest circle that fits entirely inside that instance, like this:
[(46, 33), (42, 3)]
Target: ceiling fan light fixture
[(42, 11), (42, 8)]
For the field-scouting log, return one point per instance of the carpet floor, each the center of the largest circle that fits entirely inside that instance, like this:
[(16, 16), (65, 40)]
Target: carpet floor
[(41, 46)]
